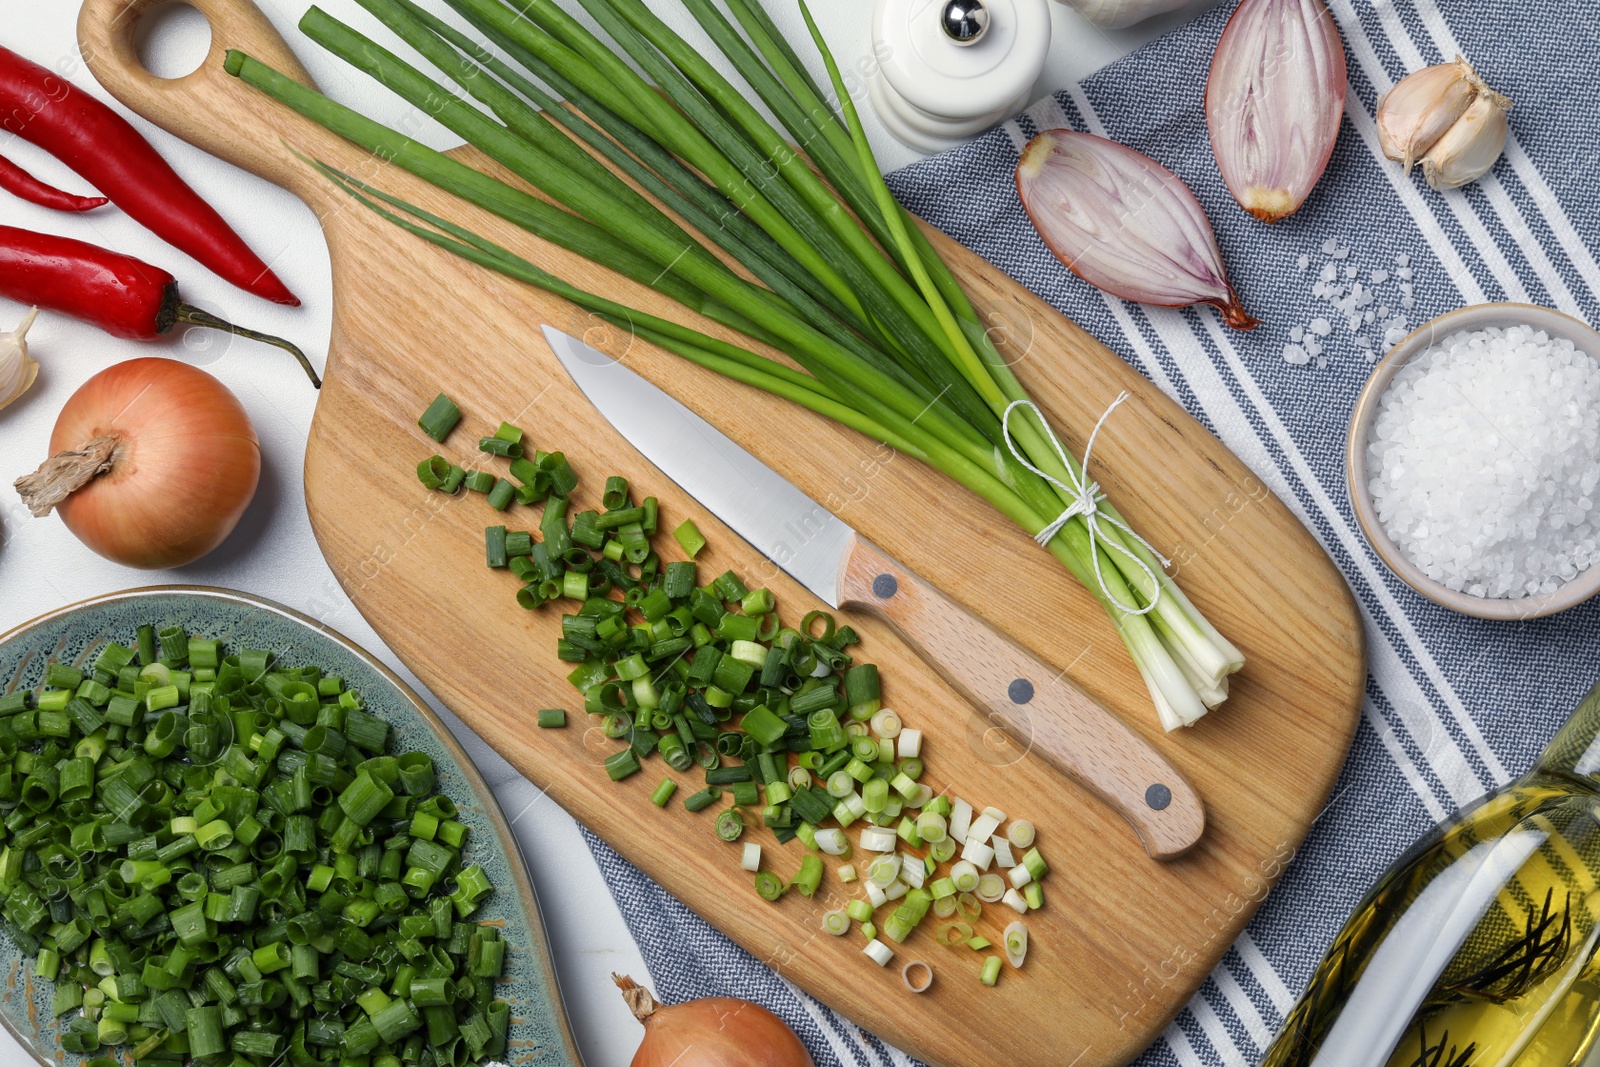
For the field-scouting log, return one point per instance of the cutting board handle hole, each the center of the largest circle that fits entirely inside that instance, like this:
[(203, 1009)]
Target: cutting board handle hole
[(172, 39)]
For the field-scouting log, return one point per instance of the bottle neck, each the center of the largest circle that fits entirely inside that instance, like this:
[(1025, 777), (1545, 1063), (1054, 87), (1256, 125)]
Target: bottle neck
[(1575, 750)]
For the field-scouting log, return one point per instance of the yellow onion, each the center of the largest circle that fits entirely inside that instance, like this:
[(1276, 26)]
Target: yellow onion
[(152, 464), (711, 1032)]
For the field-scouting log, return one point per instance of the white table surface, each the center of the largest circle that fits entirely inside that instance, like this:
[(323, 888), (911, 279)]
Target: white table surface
[(273, 554)]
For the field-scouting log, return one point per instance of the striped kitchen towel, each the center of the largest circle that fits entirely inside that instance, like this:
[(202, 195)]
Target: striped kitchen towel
[(1454, 706)]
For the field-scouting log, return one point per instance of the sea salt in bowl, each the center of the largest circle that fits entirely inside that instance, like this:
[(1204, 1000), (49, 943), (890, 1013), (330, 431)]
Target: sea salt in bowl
[(1556, 525)]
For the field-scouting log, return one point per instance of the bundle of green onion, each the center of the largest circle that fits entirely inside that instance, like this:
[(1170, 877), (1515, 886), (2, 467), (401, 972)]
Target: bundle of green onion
[(845, 283), (211, 857)]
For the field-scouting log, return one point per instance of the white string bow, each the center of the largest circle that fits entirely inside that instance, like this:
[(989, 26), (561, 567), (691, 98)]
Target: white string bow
[(1086, 498)]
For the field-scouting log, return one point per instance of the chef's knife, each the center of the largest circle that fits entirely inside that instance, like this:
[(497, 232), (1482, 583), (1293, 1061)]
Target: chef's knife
[(1033, 702)]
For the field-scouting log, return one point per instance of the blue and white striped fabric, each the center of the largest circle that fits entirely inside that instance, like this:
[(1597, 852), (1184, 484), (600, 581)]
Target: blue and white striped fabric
[(1454, 706)]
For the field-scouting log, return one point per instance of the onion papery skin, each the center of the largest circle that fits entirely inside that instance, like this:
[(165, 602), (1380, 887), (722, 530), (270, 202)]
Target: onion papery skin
[(186, 465), (1274, 102), (1124, 223), (719, 1032)]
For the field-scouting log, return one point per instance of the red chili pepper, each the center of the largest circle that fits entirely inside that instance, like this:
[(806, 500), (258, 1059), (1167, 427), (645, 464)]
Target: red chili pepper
[(18, 182), (125, 297), (111, 155)]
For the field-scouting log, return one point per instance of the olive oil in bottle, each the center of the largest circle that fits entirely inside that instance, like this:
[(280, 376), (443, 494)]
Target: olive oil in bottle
[(1477, 948)]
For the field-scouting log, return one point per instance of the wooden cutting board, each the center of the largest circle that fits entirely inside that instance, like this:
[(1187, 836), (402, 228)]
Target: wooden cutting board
[(1124, 941)]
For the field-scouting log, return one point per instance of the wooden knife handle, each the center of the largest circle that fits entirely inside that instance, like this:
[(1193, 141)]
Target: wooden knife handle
[(1033, 703)]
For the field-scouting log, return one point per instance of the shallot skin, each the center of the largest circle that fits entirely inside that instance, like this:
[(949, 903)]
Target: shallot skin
[(1274, 102), (1124, 223), (185, 467)]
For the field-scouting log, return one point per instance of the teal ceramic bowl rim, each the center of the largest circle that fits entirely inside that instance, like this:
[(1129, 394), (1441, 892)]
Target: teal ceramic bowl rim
[(491, 806)]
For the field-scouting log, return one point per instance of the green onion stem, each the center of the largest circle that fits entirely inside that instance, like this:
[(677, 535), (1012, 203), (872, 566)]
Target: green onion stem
[(847, 284)]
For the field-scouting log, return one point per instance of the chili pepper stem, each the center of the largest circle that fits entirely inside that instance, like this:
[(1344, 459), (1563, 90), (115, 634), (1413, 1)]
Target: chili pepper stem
[(193, 316)]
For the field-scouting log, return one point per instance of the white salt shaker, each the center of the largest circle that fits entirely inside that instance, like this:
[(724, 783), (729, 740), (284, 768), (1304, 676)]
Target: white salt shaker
[(950, 69)]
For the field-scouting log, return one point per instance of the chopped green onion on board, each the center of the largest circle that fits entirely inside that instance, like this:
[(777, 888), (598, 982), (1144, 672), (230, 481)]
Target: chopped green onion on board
[(213, 855), (702, 673)]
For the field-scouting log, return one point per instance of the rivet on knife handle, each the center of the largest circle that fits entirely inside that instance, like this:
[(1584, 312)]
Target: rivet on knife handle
[(1039, 709)]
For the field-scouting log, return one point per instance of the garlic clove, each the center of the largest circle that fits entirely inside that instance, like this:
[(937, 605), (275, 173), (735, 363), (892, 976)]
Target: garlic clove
[(1470, 147), (1124, 223), (17, 369), (1274, 101), (1421, 107)]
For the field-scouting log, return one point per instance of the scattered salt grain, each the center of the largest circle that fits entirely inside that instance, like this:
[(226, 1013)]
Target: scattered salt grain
[(1408, 301), (1320, 326), (1329, 245), (1297, 333), (1322, 363), (1405, 273), (1352, 272), (1485, 462), (1393, 336), (1296, 355), (1342, 253), (1329, 272), (1402, 259), (1304, 262), (1379, 277)]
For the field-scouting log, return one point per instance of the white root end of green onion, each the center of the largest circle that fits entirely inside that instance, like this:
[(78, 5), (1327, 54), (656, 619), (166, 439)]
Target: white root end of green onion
[(896, 891), (886, 724), (965, 876), (1020, 876), (1015, 901), (878, 952), (984, 826), (931, 827), (1016, 942), (875, 894), (836, 923), (917, 976), (878, 839), (912, 870), (978, 853), (1002, 852), (960, 819), (832, 841), (847, 873), (910, 743), (991, 887), (750, 860), (1021, 833)]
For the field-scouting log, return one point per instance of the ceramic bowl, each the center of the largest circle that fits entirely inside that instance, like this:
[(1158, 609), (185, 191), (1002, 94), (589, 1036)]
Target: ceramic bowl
[(539, 1034), (1477, 317)]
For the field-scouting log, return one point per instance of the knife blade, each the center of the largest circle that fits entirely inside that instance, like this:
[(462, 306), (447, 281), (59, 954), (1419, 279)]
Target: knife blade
[(1033, 703)]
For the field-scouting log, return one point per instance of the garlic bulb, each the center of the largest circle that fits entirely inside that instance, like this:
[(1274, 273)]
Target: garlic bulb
[(1114, 14), (17, 368), (1447, 119), (1274, 102)]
